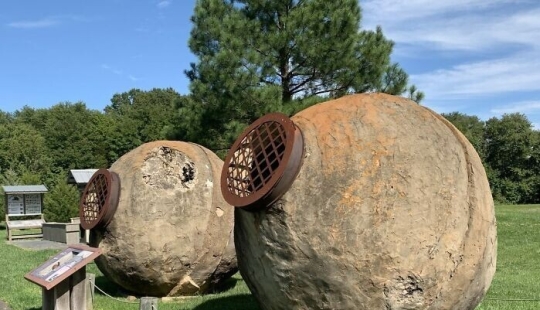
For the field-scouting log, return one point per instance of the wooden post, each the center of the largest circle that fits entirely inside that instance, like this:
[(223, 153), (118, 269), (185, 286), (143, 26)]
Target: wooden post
[(57, 298), (7, 216), (70, 294), (78, 289), (148, 303), (63, 279), (90, 282)]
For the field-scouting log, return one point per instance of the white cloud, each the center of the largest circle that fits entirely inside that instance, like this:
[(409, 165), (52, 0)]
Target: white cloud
[(134, 79), (518, 107), (381, 11), (47, 21), (478, 52), (513, 73), (30, 24), (469, 25), (118, 72), (163, 4), (111, 69)]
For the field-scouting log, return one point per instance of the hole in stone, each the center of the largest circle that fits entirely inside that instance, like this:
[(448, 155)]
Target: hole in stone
[(188, 173)]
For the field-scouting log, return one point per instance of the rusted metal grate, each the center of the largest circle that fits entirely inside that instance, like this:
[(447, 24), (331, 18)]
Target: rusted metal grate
[(99, 200), (258, 160)]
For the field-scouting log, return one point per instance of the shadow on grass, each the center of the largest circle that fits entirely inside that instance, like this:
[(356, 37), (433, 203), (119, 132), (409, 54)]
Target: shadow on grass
[(114, 290), (244, 302), (227, 285), (109, 288)]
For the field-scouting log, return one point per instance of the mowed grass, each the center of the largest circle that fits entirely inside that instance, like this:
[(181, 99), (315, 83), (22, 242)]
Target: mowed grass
[(516, 284), (21, 294)]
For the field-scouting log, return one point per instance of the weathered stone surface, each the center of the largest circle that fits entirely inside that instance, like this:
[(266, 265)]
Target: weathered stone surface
[(172, 231), (391, 210)]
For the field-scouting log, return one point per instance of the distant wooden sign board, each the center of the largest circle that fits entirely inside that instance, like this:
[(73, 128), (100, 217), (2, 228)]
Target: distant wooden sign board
[(24, 201)]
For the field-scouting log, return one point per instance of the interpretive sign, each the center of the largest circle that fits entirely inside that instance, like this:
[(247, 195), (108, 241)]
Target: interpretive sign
[(23, 206), (15, 204), (32, 203), (62, 265)]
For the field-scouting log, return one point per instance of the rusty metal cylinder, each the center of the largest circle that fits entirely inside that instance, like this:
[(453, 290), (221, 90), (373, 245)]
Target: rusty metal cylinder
[(390, 209)]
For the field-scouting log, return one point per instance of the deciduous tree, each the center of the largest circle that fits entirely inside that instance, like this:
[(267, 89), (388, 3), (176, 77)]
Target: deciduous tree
[(510, 146)]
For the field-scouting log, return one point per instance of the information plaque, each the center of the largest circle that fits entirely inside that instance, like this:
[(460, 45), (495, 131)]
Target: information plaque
[(32, 203), (15, 204), (62, 265)]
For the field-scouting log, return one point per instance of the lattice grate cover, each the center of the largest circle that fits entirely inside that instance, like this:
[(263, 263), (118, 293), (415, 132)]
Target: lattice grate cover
[(100, 199), (263, 162)]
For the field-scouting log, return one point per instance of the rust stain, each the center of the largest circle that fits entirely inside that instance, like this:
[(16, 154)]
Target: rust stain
[(340, 124), (352, 134)]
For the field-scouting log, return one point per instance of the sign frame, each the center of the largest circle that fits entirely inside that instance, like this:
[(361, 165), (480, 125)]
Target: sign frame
[(62, 266), (24, 205)]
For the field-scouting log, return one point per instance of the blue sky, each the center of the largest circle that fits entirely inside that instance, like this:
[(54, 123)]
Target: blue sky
[(480, 57)]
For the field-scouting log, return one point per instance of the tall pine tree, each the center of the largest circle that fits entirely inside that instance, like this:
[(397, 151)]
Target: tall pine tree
[(257, 56)]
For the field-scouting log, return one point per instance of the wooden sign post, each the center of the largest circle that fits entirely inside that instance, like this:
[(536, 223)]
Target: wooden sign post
[(63, 278)]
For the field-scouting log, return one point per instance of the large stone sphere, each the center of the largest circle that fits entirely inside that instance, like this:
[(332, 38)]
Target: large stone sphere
[(172, 231), (391, 209)]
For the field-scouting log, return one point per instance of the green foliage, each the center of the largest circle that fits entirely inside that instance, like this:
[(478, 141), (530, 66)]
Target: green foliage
[(137, 117), (510, 150), (38, 146), (256, 57), (61, 202), (472, 127), (414, 94), (73, 137), (149, 111), (22, 145)]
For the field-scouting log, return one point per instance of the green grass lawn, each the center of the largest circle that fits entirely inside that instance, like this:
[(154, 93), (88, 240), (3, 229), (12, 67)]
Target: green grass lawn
[(21, 294), (517, 276), (518, 259)]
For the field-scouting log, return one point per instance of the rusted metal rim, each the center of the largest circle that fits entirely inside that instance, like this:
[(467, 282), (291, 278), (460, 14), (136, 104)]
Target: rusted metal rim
[(99, 199), (263, 162)]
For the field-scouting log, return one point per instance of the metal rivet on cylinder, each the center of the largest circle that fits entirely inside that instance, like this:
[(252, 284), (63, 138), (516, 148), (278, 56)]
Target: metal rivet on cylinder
[(99, 199), (263, 162)]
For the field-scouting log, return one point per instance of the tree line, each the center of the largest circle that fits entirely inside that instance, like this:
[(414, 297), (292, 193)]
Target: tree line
[(509, 147), (253, 57), (40, 146)]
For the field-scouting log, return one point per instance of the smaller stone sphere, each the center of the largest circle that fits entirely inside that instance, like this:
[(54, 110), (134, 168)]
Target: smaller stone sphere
[(172, 231)]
